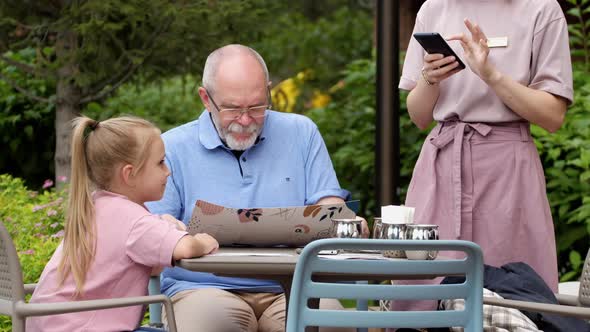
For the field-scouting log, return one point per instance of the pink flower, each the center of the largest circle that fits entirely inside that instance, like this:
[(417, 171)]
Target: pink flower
[(28, 252), (51, 212), (54, 225), (62, 178), (38, 207), (58, 234), (39, 235), (38, 224), (48, 183)]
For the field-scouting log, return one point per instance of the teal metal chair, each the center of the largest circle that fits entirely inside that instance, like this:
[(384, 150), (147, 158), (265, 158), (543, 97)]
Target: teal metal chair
[(156, 308), (304, 288)]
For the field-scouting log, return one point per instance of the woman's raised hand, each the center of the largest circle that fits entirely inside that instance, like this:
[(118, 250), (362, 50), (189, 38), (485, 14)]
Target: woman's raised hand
[(476, 51)]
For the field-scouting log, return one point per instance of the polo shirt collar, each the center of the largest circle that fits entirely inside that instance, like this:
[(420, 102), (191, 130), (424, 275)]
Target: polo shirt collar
[(207, 133), (209, 136)]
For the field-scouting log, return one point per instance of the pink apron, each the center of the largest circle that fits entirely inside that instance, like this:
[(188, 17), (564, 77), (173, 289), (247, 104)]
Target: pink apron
[(485, 183)]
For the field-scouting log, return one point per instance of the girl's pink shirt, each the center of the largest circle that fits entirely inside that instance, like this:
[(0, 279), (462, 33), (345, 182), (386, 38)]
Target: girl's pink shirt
[(129, 242)]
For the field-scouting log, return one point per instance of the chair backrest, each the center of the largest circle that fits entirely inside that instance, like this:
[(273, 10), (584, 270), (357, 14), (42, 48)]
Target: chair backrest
[(11, 279), (155, 308), (584, 293), (309, 263)]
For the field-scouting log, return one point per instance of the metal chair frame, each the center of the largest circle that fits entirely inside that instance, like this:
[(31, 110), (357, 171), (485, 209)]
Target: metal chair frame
[(12, 293), (305, 288), (569, 305)]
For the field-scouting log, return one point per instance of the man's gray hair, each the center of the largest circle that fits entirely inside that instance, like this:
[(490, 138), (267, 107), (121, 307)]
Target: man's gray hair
[(216, 57)]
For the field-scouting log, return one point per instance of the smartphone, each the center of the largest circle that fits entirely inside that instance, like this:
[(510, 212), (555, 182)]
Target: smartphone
[(434, 43)]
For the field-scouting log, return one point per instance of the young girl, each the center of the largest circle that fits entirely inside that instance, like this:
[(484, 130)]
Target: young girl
[(111, 241)]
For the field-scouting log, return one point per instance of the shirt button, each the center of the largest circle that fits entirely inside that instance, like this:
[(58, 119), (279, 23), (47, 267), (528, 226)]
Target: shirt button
[(243, 158)]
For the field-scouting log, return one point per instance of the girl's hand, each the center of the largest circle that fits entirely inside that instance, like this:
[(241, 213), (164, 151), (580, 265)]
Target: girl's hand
[(438, 68), (476, 51), (209, 243), (179, 224)]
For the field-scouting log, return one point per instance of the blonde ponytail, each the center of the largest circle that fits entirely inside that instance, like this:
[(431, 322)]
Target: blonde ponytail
[(79, 240), (97, 149)]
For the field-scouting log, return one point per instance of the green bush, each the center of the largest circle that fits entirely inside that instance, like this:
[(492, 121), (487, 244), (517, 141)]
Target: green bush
[(566, 160), (321, 47), (168, 103), (35, 223), (347, 125)]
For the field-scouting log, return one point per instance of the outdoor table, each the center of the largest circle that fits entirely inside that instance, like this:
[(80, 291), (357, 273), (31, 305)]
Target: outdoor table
[(270, 264)]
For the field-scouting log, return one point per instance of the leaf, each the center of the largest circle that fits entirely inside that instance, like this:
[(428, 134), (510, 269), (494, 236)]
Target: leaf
[(29, 131), (572, 234), (568, 276), (575, 259), (574, 12)]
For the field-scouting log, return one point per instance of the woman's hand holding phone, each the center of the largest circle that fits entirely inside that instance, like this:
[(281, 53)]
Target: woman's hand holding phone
[(440, 61), (437, 68)]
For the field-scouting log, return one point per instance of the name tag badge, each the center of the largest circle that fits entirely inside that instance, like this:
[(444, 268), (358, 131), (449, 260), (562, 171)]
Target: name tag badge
[(497, 42)]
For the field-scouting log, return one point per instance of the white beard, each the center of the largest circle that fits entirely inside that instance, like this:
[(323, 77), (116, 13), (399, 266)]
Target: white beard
[(240, 145)]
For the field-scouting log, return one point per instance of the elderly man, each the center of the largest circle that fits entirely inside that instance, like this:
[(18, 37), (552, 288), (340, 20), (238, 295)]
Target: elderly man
[(240, 154)]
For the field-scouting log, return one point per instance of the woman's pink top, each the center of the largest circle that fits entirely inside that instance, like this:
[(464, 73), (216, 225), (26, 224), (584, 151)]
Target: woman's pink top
[(537, 55)]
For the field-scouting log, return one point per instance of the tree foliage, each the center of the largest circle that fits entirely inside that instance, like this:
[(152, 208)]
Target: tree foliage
[(166, 103), (27, 132), (88, 49), (148, 65), (320, 48)]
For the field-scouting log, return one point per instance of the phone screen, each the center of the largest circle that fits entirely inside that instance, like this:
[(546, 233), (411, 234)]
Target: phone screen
[(434, 43)]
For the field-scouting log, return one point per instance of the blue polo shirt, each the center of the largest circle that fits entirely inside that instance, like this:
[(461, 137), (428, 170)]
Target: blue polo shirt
[(288, 166)]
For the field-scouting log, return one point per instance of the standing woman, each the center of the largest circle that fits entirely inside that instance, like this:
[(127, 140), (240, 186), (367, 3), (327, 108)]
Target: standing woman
[(479, 176)]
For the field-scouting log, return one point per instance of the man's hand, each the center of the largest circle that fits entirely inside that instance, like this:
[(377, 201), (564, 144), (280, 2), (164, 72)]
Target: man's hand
[(330, 200), (338, 200)]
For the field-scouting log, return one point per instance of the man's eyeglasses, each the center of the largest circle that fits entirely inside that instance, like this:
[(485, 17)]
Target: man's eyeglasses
[(232, 113)]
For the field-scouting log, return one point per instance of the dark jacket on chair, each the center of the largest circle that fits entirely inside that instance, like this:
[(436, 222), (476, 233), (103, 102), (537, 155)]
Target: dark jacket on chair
[(518, 281)]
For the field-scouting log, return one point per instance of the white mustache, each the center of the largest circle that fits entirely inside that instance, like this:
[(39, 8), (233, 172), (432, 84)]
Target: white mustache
[(239, 129)]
